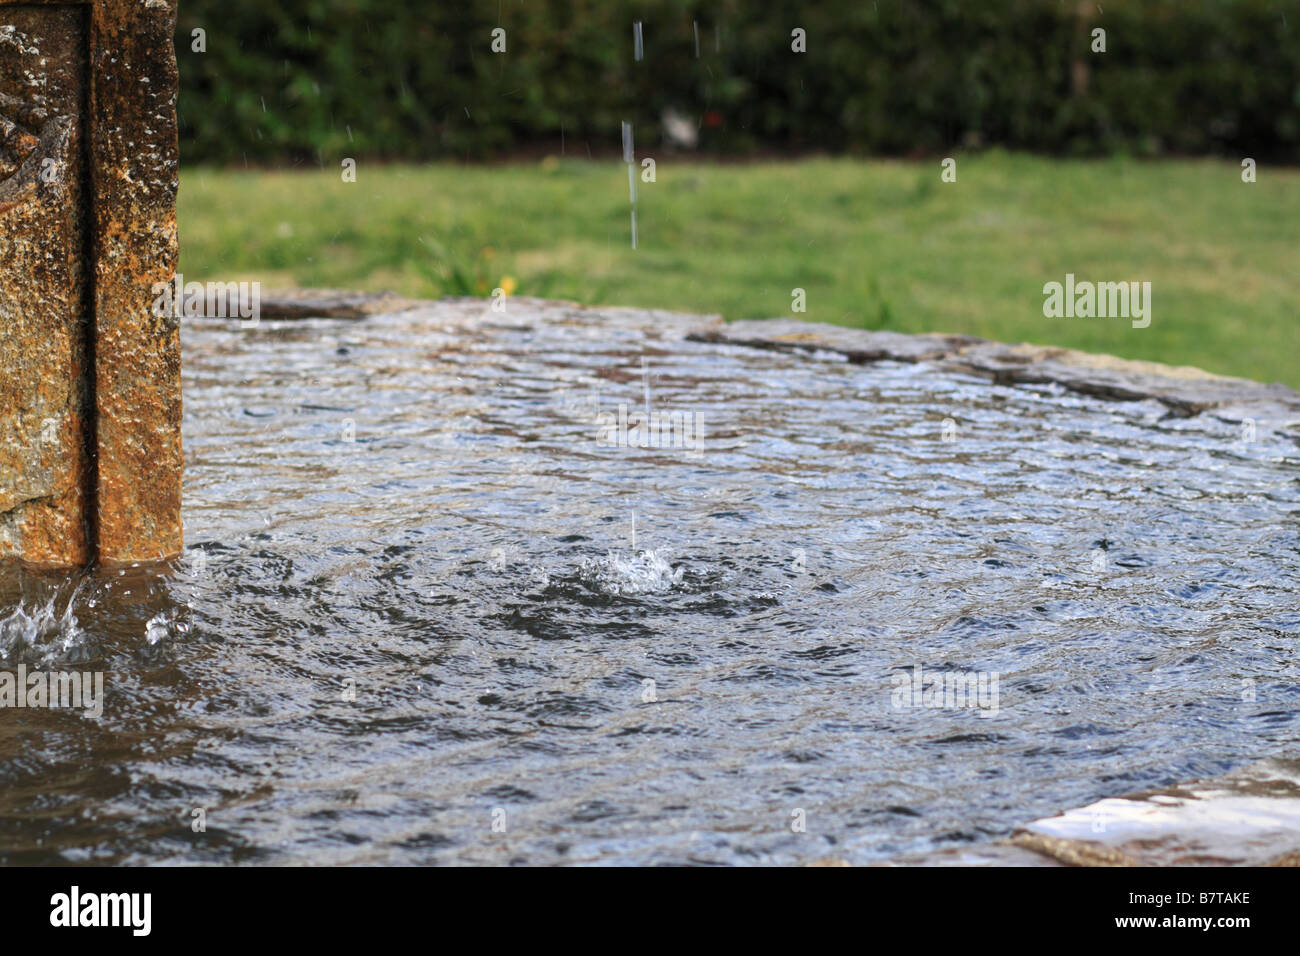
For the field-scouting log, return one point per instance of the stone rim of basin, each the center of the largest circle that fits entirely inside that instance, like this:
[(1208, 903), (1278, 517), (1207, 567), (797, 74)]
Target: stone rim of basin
[(1183, 390), (1249, 817)]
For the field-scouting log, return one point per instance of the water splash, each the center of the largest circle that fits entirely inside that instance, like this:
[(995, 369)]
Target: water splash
[(646, 573), (173, 622), (40, 631)]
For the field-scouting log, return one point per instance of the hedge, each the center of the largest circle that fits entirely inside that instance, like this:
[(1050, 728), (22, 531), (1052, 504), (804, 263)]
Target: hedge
[(312, 80)]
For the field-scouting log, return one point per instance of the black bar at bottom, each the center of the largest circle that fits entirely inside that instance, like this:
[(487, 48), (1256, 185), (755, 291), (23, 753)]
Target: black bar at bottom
[(304, 906)]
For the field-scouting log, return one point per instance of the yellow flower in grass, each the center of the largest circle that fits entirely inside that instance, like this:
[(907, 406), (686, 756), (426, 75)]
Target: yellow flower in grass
[(508, 285)]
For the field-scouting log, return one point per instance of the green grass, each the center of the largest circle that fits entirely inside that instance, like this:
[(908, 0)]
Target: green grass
[(876, 244)]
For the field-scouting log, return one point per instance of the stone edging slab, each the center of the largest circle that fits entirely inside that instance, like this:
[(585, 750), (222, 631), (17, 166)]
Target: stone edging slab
[(1183, 390), (1250, 817)]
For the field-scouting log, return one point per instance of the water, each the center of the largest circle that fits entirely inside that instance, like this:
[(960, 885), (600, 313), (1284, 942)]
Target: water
[(416, 512)]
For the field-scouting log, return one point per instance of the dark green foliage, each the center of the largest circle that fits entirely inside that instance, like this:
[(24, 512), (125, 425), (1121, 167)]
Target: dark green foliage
[(315, 80)]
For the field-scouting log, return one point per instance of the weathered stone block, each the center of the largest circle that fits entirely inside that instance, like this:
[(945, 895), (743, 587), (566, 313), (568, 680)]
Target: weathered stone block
[(90, 404)]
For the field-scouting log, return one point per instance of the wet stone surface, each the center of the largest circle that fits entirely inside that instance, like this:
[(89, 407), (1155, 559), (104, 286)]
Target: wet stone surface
[(422, 586), (1184, 391), (90, 402), (45, 479), (1250, 817), (1247, 818)]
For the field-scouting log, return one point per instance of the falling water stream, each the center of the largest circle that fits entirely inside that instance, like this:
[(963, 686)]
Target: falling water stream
[(428, 613)]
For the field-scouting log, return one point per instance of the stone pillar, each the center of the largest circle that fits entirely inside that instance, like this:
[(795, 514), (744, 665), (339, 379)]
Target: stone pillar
[(90, 402)]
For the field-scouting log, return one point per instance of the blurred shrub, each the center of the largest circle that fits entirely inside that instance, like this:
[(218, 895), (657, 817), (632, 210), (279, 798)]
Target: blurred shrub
[(315, 80)]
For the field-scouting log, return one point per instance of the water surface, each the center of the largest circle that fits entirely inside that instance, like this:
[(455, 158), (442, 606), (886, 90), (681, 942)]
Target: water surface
[(421, 606)]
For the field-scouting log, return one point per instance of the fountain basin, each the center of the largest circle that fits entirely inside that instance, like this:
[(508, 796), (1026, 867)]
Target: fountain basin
[(428, 613)]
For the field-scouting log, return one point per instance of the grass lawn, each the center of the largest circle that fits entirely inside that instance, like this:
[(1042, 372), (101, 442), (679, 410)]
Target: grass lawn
[(875, 244)]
